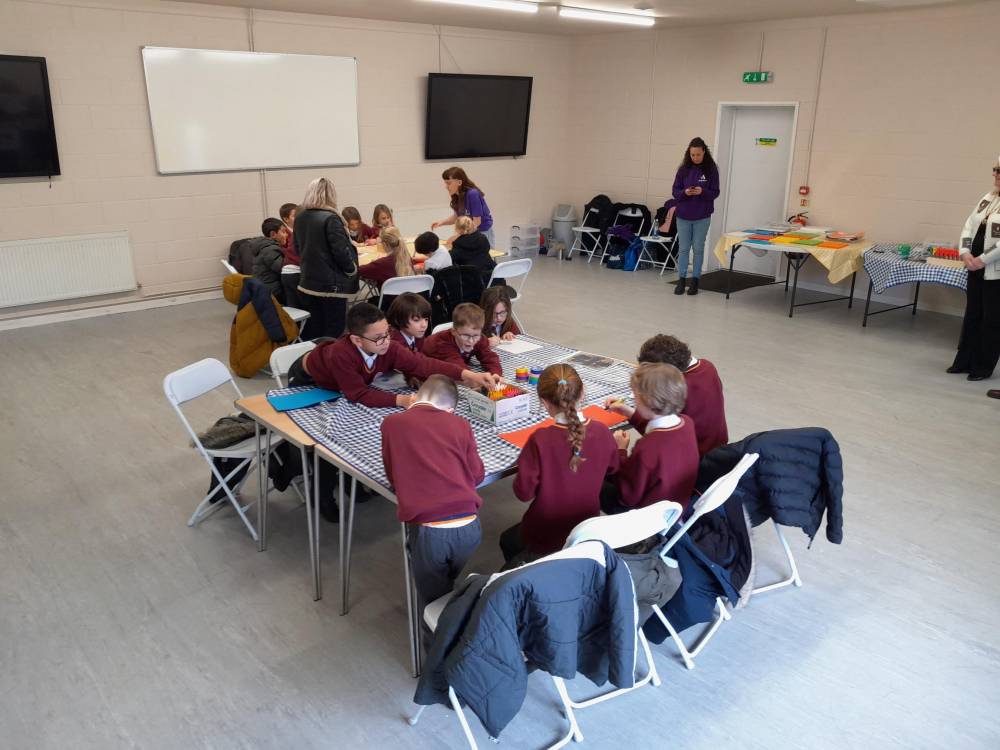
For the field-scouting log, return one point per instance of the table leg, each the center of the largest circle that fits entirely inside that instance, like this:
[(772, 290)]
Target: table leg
[(313, 531), (729, 278), (788, 270), (343, 545), (850, 297), (795, 285), (916, 295), (411, 609), (262, 503), (350, 539), (261, 540), (868, 302)]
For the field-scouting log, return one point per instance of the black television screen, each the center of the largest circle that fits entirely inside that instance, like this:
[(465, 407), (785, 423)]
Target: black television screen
[(27, 133), (470, 116)]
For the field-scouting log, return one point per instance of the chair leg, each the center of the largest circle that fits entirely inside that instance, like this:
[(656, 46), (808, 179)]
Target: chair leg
[(461, 718), (651, 676), (200, 513), (685, 654), (793, 578), (574, 732), (705, 637)]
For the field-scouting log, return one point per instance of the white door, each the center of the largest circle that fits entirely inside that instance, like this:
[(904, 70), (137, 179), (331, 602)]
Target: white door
[(754, 158)]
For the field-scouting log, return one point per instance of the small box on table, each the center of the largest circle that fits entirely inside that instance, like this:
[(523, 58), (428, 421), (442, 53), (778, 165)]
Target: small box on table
[(512, 405)]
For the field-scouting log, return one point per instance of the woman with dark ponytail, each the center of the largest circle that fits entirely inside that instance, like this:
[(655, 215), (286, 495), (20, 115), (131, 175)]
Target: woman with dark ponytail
[(560, 472)]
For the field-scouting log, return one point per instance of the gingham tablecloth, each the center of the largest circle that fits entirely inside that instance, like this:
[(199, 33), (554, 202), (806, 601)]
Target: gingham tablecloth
[(886, 269), (353, 432)]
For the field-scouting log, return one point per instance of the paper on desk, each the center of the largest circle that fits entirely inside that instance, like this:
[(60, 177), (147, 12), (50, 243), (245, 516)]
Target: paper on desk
[(517, 346)]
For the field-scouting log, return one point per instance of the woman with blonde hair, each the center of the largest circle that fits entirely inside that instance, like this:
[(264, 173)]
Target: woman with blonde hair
[(329, 260), (395, 262), (471, 248)]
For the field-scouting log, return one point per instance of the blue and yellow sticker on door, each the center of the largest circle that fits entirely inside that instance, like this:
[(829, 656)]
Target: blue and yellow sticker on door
[(766, 141)]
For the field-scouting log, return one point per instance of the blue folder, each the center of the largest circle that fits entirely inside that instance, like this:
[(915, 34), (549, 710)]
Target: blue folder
[(302, 399)]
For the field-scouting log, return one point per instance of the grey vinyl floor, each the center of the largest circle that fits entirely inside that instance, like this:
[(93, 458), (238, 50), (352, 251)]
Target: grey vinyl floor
[(120, 627)]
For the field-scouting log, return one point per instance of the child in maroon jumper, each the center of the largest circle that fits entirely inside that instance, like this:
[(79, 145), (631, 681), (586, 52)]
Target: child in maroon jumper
[(436, 498), (409, 315), (705, 403), (560, 470), (464, 340), (664, 462), (500, 323)]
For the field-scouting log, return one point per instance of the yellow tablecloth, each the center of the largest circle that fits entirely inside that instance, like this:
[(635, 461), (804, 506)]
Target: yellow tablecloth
[(839, 263), (368, 253)]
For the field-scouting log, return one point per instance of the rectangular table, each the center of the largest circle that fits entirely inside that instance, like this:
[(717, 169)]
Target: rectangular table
[(839, 263), (348, 436), (886, 269)]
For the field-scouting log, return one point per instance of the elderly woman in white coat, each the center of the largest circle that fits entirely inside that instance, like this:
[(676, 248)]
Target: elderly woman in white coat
[(979, 345)]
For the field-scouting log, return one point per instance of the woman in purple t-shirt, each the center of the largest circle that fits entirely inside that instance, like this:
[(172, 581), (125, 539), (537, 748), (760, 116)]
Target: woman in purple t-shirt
[(466, 200)]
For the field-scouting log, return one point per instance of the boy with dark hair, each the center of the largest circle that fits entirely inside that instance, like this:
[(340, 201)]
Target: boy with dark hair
[(409, 315), (268, 257), (464, 340), (350, 363), (429, 244), (705, 402), (437, 498)]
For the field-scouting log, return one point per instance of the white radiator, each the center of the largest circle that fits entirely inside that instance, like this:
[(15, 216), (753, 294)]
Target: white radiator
[(65, 268)]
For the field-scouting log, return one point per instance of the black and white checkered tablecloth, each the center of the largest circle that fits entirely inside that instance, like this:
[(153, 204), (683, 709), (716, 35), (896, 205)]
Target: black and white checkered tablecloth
[(352, 431), (886, 269)]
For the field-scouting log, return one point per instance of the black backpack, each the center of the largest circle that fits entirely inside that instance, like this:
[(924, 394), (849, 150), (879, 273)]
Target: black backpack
[(241, 255), (453, 286), (605, 215)]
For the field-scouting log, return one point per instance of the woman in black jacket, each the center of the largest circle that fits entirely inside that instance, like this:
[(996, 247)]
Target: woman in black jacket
[(329, 260), (472, 248)]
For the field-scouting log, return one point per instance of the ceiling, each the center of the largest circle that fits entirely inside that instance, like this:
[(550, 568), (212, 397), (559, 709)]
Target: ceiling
[(670, 13)]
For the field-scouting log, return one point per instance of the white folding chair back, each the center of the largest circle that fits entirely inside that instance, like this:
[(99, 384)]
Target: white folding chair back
[(516, 271), (631, 213), (187, 384), (399, 284), (228, 266), (283, 357), (442, 327), (712, 499), (589, 230), (299, 318)]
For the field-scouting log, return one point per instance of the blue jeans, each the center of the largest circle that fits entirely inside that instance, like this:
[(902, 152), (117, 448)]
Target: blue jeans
[(491, 237), (691, 234)]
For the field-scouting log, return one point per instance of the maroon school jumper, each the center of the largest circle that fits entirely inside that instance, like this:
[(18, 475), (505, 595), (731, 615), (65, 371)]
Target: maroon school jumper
[(339, 366), (663, 466), (379, 271), (561, 498), (417, 345), (442, 345), (431, 459), (492, 330), (705, 405)]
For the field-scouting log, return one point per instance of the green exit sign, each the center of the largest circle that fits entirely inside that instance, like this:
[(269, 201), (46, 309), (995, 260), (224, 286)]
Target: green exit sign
[(757, 76)]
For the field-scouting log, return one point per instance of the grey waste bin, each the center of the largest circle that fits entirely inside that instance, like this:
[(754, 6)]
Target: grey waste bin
[(563, 221)]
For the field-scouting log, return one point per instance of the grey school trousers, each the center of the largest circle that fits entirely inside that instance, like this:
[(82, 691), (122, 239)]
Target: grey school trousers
[(438, 554)]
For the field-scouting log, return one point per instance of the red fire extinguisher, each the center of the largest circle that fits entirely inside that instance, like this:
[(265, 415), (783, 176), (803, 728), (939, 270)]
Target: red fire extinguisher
[(800, 219)]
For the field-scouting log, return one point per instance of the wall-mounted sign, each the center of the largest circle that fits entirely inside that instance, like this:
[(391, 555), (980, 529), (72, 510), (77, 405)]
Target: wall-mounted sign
[(766, 141), (758, 76)]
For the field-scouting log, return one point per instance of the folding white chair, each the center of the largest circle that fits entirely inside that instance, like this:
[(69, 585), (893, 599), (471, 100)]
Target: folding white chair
[(399, 284), (793, 577), (442, 327), (432, 613), (626, 214), (187, 384), (230, 268), (717, 494), (513, 269), (590, 231), (283, 357), (620, 531), (299, 318), (668, 243)]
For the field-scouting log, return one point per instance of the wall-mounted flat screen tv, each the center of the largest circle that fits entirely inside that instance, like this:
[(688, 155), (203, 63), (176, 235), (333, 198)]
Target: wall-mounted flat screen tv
[(27, 132), (471, 116)]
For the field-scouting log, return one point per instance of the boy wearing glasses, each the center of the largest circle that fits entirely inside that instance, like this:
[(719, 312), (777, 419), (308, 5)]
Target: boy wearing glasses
[(349, 364), (463, 341)]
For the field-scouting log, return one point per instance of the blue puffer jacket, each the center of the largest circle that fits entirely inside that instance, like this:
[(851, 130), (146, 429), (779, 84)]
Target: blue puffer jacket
[(798, 477)]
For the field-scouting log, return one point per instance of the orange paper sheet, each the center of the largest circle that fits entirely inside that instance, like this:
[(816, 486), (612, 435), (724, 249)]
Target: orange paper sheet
[(832, 245), (520, 437)]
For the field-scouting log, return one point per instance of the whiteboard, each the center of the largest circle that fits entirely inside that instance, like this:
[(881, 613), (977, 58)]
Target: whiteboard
[(215, 111)]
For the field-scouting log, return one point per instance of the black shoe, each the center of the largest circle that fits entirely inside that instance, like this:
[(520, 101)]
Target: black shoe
[(693, 289), (679, 286), (972, 376), (956, 370), (993, 393), (330, 511)]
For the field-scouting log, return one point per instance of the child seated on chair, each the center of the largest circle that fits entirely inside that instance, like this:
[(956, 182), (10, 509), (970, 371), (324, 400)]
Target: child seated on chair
[(471, 248), (395, 262), (428, 244), (664, 461), (359, 232), (268, 256), (437, 498), (560, 470), (382, 217), (464, 341), (705, 403), (409, 315), (500, 323)]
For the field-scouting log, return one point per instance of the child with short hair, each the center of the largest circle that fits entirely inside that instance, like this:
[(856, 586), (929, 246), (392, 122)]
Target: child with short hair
[(359, 232), (382, 217), (705, 402), (428, 244), (664, 461), (499, 313), (560, 471), (268, 257), (409, 315), (470, 247), (430, 456), (464, 340)]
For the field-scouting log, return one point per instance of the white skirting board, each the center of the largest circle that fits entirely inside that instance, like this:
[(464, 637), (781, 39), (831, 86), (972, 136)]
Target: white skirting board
[(58, 268)]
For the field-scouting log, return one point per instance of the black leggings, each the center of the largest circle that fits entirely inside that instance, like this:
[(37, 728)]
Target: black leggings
[(979, 345), (327, 315)]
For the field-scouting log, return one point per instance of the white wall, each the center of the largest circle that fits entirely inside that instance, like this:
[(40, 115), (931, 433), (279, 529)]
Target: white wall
[(181, 225), (906, 127)]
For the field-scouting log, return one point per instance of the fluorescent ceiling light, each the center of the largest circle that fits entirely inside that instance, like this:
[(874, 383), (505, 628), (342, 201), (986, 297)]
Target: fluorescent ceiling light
[(519, 6), (582, 14)]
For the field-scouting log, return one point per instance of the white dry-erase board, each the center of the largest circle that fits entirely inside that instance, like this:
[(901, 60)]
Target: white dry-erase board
[(215, 111)]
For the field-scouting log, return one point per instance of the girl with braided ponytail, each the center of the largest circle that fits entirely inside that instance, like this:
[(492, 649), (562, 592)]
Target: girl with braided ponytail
[(560, 471)]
